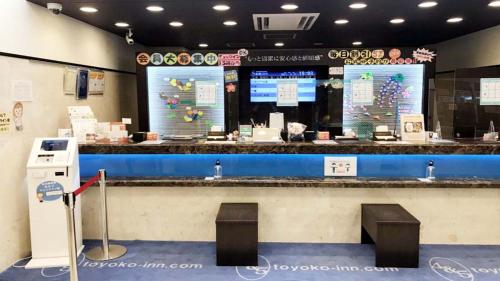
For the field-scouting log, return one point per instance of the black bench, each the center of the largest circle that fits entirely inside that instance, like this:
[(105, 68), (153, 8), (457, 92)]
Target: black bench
[(237, 234), (395, 233)]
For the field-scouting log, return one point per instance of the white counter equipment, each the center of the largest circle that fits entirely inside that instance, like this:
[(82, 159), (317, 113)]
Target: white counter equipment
[(53, 168)]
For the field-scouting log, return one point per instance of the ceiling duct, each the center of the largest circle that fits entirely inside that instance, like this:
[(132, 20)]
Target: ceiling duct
[(240, 45), (269, 22), (279, 36)]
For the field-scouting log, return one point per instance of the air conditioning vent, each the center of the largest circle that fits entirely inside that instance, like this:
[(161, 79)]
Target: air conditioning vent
[(268, 22), (240, 45), (279, 36)]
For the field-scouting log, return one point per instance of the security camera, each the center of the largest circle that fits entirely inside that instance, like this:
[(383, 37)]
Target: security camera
[(55, 8), (128, 37)]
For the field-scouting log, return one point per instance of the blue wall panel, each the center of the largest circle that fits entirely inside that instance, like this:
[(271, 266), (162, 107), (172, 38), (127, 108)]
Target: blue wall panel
[(286, 165)]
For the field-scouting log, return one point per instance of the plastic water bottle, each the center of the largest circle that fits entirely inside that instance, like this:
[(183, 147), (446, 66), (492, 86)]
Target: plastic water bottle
[(217, 170), (430, 172), (438, 131)]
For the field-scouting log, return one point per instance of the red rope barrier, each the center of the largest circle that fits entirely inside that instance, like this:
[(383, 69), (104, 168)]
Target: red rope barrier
[(87, 185)]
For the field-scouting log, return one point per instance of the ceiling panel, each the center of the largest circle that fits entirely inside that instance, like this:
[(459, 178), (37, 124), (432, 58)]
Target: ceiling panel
[(203, 24)]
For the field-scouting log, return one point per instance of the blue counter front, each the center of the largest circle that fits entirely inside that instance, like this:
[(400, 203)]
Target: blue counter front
[(287, 165)]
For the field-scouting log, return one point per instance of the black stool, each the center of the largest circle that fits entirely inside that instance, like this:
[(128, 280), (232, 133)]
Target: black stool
[(237, 234), (395, 233)]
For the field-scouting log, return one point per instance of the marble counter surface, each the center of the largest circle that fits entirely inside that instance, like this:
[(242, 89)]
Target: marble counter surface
[(292, 148), (301, 182)]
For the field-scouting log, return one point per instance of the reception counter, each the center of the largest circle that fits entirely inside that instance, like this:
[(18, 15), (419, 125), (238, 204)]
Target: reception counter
[(168, 198), (293, 148)]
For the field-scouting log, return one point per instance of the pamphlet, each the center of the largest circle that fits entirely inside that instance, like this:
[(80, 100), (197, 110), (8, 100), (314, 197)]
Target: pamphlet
[(362, 92), (287, 94), (412, 128), (206, 93), (490, 91)]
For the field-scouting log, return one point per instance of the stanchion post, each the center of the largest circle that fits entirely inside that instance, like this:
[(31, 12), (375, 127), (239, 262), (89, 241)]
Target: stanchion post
[(104, 213), (106, 252), (69, 202)]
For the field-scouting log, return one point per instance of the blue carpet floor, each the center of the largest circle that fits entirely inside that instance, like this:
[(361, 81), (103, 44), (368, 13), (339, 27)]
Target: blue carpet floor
[(159, 261)]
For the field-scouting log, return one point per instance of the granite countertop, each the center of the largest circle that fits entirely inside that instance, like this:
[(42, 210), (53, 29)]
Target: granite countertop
[(301, 182), (292, 148)]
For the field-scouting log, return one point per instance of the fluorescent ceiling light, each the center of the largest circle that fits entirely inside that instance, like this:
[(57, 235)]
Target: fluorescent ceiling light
[(122, 24), (455, 20), (203, 45), (357, 43), (428, 4), (154, 9), (221, 7), (230, 23), (87, 9), (494, 4), (341, 21), (397, 21), (279, 44), (176, 24), (358, 5), (289, 7)]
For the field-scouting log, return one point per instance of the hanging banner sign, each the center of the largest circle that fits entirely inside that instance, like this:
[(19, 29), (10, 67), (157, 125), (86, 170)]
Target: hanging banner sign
[(423, 55)]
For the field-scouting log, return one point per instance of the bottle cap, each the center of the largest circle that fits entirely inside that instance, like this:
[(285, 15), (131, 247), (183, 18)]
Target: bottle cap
[(431, 163), (217, 162)]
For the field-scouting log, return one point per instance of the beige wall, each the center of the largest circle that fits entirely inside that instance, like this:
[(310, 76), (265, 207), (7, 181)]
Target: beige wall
[(31, 30), (326, 215), (474, 50), (42, 117)]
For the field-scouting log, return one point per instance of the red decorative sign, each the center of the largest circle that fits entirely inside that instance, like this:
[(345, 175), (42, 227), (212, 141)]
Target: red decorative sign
[(229, 60)]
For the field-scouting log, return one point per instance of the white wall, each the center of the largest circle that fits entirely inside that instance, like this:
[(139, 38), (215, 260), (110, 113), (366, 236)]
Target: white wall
[(30, 30), (477, 49)]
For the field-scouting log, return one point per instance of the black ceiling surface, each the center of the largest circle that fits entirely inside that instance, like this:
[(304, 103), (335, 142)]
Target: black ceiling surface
[(203, 24)]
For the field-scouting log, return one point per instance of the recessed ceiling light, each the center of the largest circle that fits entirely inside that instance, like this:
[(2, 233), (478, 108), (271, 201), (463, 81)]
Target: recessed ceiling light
[(176, 24), (341, 21), (289, 7), (230, 23), (154, 9), (221, 7), (122, 24), (494, 4), (358, 5), (357, 43), (279, 44), (455, 20), (87, 9), (203, 45), (397, 21), (428, 4)]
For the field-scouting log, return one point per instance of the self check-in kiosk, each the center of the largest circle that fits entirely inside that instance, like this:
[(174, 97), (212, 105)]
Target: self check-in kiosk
[(53, 168)]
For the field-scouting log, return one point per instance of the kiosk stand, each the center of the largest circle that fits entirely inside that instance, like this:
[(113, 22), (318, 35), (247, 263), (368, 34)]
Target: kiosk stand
[(53, 169)]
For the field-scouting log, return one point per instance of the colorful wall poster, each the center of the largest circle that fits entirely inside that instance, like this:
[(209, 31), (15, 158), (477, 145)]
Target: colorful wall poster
[(490, 91), (96, 82)]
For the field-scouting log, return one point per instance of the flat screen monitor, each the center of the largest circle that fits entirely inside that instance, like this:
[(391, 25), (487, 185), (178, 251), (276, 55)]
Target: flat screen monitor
[(54, 145), (264, 85)]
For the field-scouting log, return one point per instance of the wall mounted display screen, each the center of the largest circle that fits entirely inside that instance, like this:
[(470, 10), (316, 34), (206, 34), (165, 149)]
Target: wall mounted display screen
[(185, 100), (377, 95), (264, 85)]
